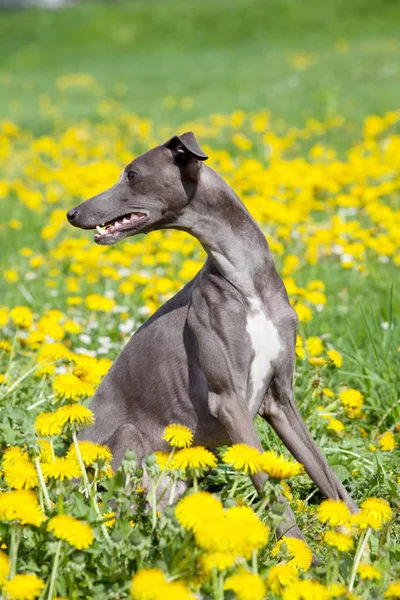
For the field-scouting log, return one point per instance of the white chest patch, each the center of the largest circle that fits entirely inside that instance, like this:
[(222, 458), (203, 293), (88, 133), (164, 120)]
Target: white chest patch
[(266, 347)]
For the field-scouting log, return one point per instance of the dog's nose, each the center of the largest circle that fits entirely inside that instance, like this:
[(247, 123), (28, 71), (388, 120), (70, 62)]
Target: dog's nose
[(71, 214)]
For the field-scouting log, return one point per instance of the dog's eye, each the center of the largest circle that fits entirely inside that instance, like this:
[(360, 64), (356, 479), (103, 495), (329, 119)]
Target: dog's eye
[(131, 175)]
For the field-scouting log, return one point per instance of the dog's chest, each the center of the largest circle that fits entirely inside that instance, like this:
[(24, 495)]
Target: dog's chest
[(266, 346)]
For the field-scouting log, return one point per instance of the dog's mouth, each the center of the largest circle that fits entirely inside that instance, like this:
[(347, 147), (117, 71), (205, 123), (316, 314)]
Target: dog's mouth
[(115, 230)]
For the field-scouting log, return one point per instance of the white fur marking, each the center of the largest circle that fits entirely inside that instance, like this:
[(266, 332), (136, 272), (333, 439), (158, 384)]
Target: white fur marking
[(266, 346)]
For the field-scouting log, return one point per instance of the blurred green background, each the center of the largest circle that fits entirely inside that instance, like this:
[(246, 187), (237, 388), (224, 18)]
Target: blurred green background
[(299, 59)]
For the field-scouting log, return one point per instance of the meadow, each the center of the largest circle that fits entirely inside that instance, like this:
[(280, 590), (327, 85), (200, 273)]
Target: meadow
[(297, 107)]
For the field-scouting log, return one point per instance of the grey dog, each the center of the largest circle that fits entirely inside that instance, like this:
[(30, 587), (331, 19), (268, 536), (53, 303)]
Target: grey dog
[(222, 349)]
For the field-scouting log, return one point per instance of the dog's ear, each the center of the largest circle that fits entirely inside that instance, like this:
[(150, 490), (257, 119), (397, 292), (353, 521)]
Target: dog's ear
[(185, 147)]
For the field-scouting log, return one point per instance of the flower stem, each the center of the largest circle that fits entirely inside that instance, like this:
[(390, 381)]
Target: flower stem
[(81, 463), (54, 571), (357, 559), (43, 484), (172, 494), (195, 483), (233, 488), (16, 532), (254, 563), (153, 498)]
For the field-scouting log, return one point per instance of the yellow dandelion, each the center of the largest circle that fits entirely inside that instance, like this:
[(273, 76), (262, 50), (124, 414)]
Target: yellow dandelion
[(22, 506), (62, 468), (49, 354), (146, 583), (279, 467), (91, 452), (300, 352), (46, 453), (194, 458), (178, 436), (22, 316), (281, 576), (110, 516), (75, 413), (342, 541), (334, 512), (246, 586), (19, 471), (48, 424), (393, 590), (71, 387), (99, 303), (217, 560), (243, 458), (328, 392), (335, 358), (314, 346), (4, 567), (352, 401), (247, 531), (76, 533), (368, 571), (199, 508), (298, 551), (317, 361), (374, 513), (387, 441), (337, 590), (304, 590), (23, 587), (335, 425), (162, 459)]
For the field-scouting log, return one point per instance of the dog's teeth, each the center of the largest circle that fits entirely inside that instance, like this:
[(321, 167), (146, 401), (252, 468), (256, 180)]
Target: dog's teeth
[(125, 221), (100, 230)]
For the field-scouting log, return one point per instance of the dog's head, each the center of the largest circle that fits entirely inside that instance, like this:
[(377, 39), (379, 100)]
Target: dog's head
[(151, 193)]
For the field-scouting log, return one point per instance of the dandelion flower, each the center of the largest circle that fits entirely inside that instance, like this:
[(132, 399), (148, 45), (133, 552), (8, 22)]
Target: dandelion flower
[(199, 508), (22, 316), (387, 441), (334, 512), (279, 467), (111, 518), (23, 587), (62, 468), (317, 361), (4, 567), (19, 471), (314, 346), (368, 571), (243, 458), (298, 551), (99, 303), (374, 513), (304, 590), (48, 424), (75, 413), (46, 453), (218, 560), (71, 387), (393, 590), (342, 541), (246, 586), (22, 506), (178, 436), (194, 458), (335, 425), (280, 576), (335, 358), (162, 459), (91, 452), (175, 590), (146, 583), (352, 401), (247, 531), (76, 533)]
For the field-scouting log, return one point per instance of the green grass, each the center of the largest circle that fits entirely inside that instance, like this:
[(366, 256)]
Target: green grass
[(225, 54)]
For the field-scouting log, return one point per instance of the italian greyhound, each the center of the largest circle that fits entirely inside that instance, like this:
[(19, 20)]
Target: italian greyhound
[(223, 349)]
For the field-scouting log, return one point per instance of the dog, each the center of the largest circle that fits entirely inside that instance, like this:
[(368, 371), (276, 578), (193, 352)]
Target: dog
[(222, 350)]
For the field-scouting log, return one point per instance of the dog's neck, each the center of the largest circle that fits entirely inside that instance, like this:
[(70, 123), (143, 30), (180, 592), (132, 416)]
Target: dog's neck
[(235, 244)]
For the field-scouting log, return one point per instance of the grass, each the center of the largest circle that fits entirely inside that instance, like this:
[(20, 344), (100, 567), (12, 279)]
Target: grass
[(297, 59)]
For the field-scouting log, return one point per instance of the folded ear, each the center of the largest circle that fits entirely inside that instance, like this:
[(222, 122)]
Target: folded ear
[(186, 145)]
